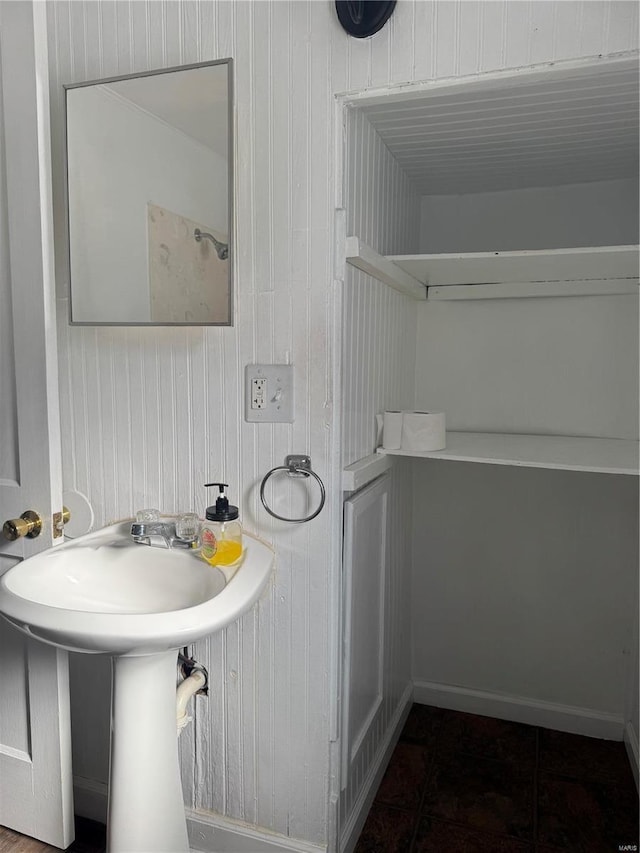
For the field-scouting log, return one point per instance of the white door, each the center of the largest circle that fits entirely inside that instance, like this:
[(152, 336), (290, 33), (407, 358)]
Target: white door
[(35, 754)]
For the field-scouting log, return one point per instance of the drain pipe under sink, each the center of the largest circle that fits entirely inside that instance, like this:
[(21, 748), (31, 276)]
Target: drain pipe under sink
[(196, 680)]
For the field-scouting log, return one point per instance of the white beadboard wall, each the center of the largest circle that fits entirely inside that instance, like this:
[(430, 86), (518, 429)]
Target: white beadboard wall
[(150, 414), (379, 324), (379, 340)]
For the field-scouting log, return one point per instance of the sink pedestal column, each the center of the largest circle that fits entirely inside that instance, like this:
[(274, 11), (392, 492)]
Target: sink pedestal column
[(146, 809)]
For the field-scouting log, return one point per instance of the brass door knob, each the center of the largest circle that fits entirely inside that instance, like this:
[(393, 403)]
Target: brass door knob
[(59, 521), (29, 524)]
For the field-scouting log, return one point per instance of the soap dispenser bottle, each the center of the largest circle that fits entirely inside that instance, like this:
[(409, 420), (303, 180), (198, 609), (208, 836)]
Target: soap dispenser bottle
[(221, 531)]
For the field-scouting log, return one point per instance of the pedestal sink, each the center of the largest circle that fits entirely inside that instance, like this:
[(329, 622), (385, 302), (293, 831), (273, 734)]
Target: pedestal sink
[(105, 594)]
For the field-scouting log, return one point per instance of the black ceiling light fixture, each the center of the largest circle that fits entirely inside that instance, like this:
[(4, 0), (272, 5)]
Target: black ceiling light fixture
[(363, 18)]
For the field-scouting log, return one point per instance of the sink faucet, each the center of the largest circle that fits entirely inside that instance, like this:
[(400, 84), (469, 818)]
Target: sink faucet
[(165, 534)]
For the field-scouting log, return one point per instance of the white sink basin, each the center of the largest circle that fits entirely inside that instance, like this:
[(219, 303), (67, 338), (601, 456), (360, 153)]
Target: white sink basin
[(104, 593)]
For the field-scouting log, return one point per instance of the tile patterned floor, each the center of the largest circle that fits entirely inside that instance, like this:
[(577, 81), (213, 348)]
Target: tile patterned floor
[(459, 783)]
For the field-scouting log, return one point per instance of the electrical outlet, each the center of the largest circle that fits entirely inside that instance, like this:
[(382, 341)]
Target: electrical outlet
[(269, 393), (258, 386)]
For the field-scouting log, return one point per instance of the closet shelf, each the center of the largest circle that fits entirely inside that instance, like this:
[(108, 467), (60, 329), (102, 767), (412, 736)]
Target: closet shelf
[(364, 471), (543, 272), (542, 265), (568, 453)]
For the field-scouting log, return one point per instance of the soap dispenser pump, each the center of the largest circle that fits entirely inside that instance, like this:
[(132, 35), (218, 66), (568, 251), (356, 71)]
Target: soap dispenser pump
[(221, 531)]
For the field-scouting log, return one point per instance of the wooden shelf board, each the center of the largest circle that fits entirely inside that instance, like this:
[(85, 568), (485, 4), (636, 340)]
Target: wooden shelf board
[(361, 256), (362, 472), (568, 453), (536, 289), (544, 265)]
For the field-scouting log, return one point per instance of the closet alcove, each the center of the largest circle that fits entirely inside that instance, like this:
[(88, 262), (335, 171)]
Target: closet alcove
[(492, 273)]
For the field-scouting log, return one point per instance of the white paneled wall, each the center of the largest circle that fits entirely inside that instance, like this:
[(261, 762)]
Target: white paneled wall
[(379, 329), (557, 366), (532, 609), (379, 338), (151, 414), (601, 213)]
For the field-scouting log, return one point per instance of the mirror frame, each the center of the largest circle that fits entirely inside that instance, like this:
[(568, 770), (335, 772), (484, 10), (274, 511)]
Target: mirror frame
[(231, 207)]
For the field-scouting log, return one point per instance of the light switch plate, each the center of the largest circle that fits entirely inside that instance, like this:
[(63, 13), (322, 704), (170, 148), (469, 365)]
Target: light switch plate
[(269, 393)]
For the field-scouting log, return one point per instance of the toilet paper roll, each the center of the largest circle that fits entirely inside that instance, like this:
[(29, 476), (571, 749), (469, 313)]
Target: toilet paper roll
[(392, 430), (423, 431)]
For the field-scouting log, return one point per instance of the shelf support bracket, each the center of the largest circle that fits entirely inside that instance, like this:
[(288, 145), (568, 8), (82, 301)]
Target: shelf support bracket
[(359, 255)]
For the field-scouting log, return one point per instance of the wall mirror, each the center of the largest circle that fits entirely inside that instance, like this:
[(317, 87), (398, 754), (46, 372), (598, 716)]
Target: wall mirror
[(149, 197)]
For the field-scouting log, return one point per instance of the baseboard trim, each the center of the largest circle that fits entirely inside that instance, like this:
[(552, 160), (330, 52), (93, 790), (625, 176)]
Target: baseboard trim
[(90, 798), (353, 826), (633, 751), (209, 832), (564, 718)]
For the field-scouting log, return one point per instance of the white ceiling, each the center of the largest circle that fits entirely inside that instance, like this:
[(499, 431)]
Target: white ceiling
[(540, 129), (194, 100)]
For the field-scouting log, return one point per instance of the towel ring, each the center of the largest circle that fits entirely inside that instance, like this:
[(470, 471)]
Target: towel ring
[(297, 466)]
